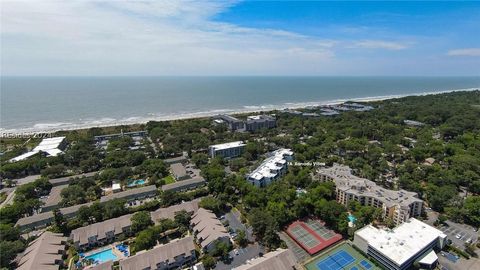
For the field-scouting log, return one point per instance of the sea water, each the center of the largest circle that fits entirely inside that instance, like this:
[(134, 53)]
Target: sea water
[(55, 103)]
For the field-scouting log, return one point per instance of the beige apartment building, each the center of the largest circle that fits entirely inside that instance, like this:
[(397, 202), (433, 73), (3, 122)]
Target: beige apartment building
[(399, 205)]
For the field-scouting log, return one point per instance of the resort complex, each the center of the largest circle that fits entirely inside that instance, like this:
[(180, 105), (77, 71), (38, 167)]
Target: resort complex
[(250, 193), (399, 205)]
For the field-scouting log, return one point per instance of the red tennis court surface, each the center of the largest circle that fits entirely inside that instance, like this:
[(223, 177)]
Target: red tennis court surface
[(312, 235)]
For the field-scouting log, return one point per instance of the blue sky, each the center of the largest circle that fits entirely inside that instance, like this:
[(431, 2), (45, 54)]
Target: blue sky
[(240, 38)]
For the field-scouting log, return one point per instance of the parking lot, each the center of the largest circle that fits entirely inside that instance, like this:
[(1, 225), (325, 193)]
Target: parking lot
[(459, 234), (234, 222), (240, 256)]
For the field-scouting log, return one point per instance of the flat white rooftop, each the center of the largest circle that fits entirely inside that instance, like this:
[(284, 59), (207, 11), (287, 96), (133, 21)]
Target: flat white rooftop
[(228, 145), (403, 242), (48, 145), (271, 165)]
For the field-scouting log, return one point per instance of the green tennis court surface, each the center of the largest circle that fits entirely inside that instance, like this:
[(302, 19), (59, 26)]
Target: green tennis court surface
[(341, 257)]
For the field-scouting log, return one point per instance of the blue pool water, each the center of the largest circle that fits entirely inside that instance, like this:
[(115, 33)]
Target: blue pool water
[(103, 256), (351, 218), (136, 183)]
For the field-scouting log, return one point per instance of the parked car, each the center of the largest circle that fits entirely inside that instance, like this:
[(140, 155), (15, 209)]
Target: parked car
[(458, 236)]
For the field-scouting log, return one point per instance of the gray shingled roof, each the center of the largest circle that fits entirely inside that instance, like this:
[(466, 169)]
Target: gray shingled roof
[(66, 179), (54, 198), (150, 258), (184, 184), (175, 160), (169, 212), (130, 193), (207, 226), (280, 259), (102, 266), (47, 216), (43, 253), (100, 229), (178, 170)]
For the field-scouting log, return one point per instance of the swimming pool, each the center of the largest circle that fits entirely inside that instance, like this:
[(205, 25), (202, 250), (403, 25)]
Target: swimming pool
[(136, 183), (351, 218), (103, 256)]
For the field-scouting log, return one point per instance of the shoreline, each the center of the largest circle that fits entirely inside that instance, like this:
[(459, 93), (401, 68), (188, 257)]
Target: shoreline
[(110, 122)]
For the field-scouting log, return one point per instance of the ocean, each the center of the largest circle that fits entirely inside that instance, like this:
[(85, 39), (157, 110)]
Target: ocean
[(34, 104)]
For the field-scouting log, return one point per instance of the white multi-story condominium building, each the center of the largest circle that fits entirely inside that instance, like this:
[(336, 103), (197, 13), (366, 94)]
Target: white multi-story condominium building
[(280, 259), (399, 205), (174, 255), (208, 229), (272, 168), (227, 150), (398, 249)]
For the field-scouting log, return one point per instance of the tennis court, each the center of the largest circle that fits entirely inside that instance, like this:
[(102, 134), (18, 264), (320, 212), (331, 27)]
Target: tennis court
[(320, 229), (304, 236), (341, 257), (312, 235)]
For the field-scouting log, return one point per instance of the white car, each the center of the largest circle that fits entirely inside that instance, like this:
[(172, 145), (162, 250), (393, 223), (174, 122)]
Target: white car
[(458, 236)]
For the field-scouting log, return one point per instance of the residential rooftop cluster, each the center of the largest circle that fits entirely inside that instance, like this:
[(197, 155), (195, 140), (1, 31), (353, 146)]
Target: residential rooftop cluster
[(43, 219)]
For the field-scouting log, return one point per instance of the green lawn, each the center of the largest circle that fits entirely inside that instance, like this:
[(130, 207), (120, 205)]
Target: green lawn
[(169, 179)]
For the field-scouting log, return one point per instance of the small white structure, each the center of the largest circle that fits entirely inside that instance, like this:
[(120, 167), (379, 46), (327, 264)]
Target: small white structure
[(51, 147), (398, 249), (227, 150), (116, 187), (271, 168)]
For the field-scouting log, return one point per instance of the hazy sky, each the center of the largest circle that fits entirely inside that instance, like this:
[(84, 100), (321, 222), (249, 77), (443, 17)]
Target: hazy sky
[(239, 38)]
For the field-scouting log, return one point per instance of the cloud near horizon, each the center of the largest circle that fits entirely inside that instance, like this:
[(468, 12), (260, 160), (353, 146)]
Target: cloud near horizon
[(465, 52), (176, 38)]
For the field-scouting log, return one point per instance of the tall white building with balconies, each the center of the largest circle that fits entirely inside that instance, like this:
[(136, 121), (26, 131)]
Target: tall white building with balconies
[(272, 168)]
